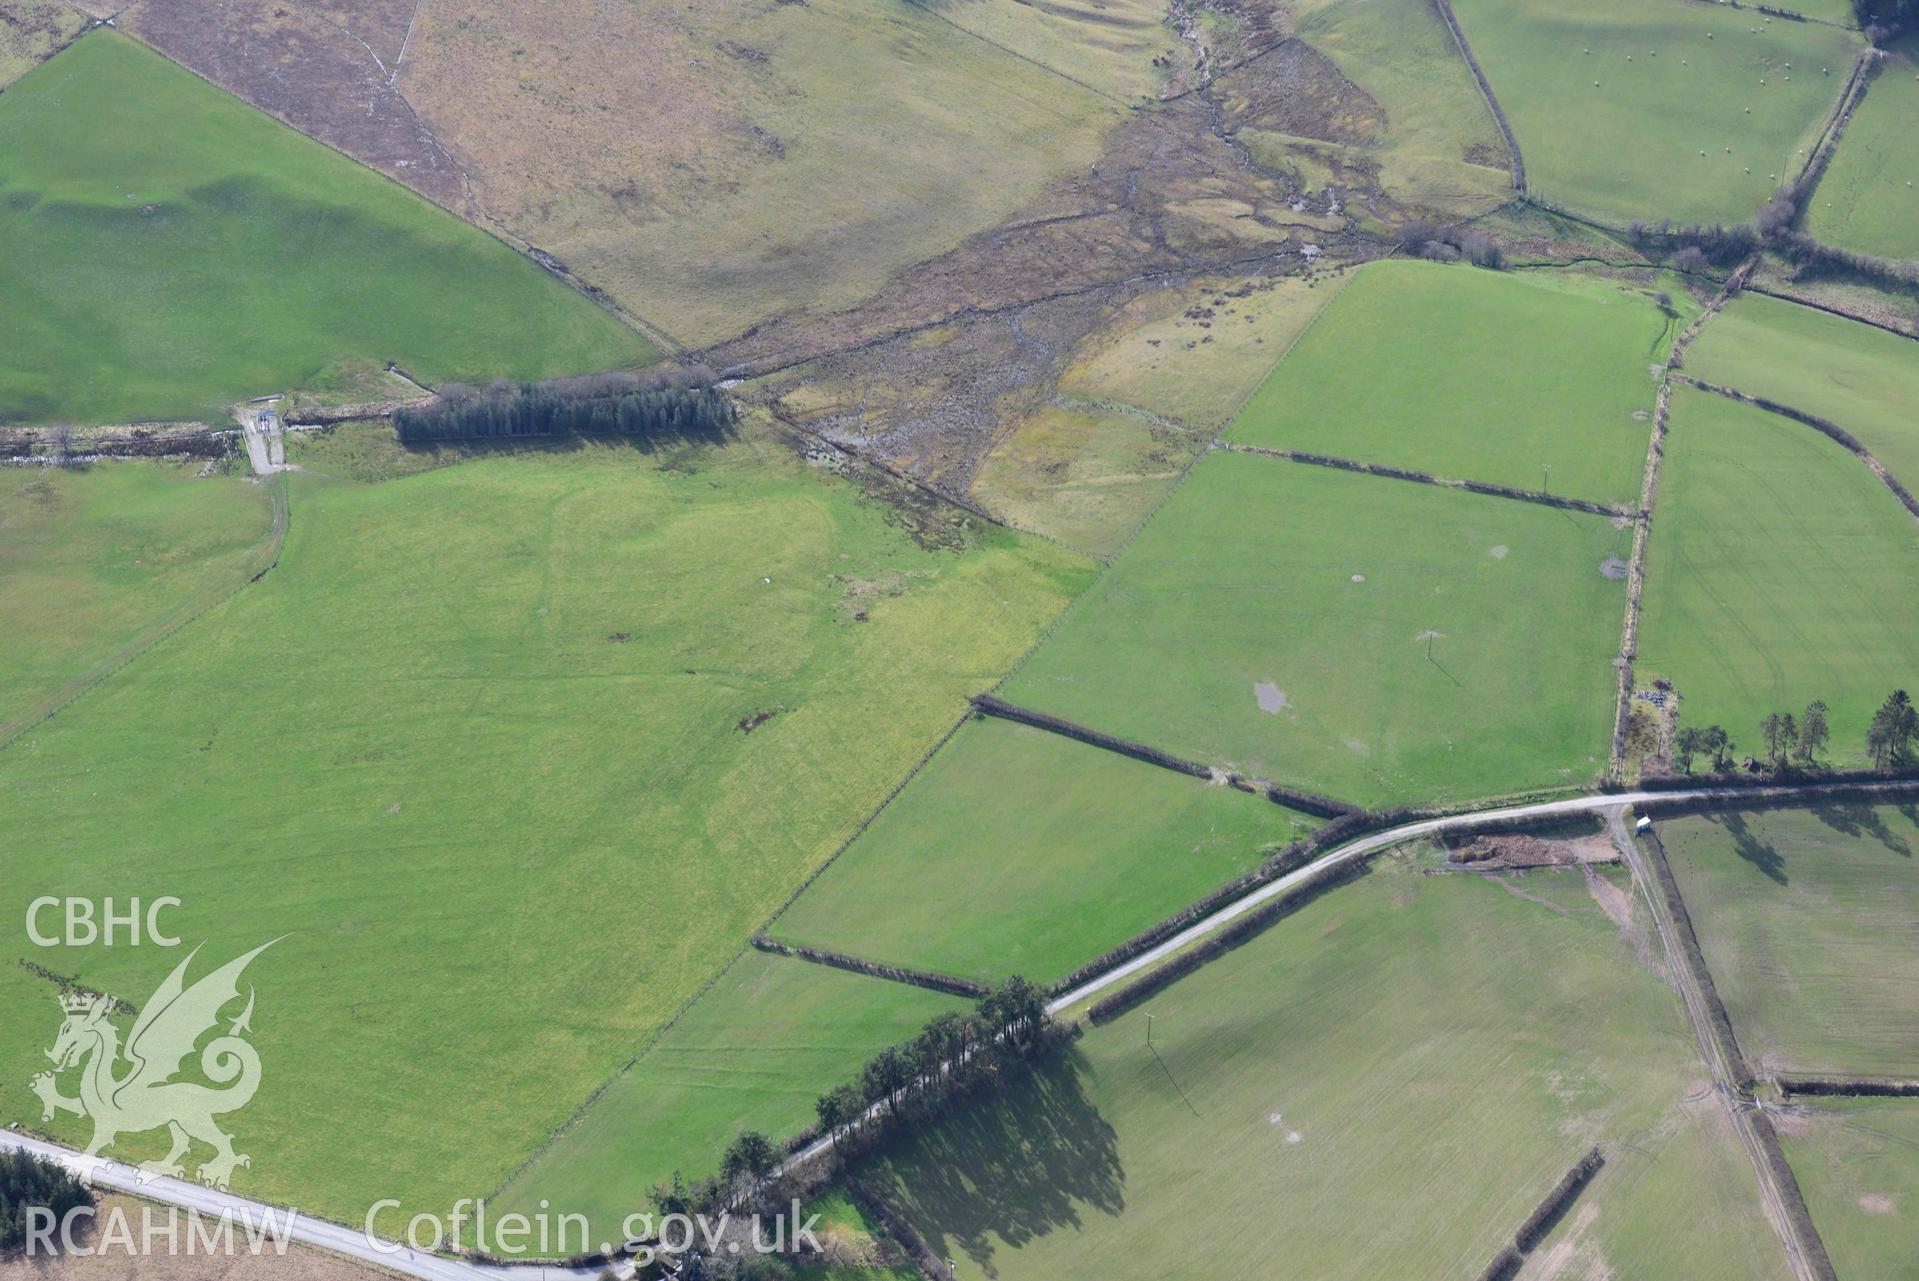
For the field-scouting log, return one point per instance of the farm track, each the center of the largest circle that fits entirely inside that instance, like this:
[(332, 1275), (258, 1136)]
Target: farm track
[(1648, 494), (1778, 1190)]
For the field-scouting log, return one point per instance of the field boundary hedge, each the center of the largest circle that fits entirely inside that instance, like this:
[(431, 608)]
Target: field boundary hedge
[(1445, 10), (1305, 802), (1865, 68), (1803, 1227), (1695, 960), (179, 439), (1825, 426), (947, 983), (1427, 478), (929, 1264), (1507, 1263), (1240, 931), (1831, 310), (1797, 1085), (1648, 496), (1557, 1201)]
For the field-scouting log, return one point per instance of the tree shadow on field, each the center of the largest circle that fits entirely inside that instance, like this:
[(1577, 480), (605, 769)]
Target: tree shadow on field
[(1746, 843), (1014, 1166), (1859, 820)]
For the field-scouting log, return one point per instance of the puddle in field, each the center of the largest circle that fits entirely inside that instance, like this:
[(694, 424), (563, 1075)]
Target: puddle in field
[(1271, 697), (1613, 567), (1499, 552)]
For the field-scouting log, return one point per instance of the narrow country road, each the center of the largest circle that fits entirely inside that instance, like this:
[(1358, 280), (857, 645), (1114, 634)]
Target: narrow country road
[(352, 1243), (1361, 846), (348, 1241), (265, 439), (1364, 845)]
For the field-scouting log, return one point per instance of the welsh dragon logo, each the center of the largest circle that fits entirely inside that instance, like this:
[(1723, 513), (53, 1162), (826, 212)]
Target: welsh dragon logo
[(131, 1089)]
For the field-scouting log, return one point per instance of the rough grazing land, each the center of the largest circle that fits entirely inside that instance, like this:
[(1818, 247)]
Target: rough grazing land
[(1854, 1162), (329, 69), (1195, 354), (1437, 150), (1629, 146), (1809, 920), (753, 1052), (1326, 585), (1124, 49), (653, 691), (1402, 1034), (1136, 400), (1779, 572), (213, 253), (1860, 377), (1475, 375), (1868, 199), (718, 164), (30, 30), (89, 558), (1084, 473), (1016, 851)]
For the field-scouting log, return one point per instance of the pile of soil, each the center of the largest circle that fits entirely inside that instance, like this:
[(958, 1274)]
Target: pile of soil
[(1493, 853)]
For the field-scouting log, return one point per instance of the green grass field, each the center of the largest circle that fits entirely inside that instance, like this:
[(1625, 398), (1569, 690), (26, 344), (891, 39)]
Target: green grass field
[(1630, 145), (1326, 584), (476, 748), (1863, 378), (753, 1052), (1854, 1161), (1016, 851), (1475, 375), (1306, 1099), (1778, 573), (213, 253), (91, 559), (1867, 199), (1809, 920)]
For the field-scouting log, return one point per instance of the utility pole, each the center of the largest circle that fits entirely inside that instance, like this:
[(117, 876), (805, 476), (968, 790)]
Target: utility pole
[(1546, 478)]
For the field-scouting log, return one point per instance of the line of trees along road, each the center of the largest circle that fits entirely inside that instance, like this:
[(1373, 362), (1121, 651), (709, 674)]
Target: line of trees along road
[(920, 1079)]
